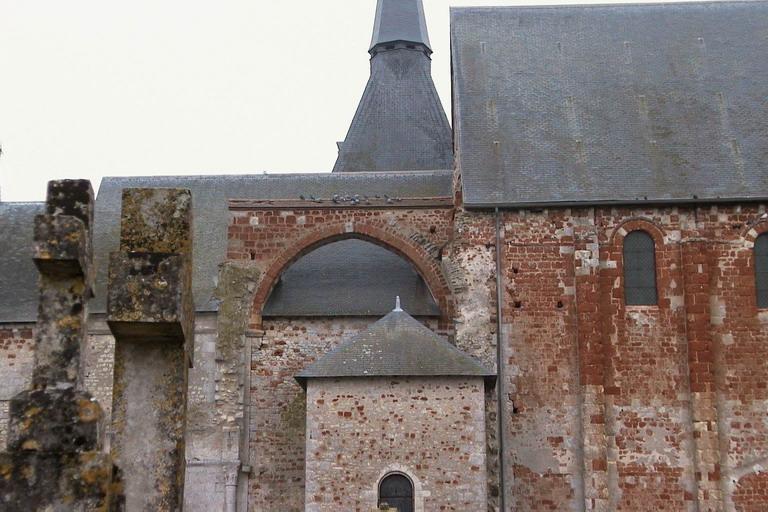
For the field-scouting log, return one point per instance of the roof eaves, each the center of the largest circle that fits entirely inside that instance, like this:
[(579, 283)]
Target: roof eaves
[(489, 379), (490, 205)]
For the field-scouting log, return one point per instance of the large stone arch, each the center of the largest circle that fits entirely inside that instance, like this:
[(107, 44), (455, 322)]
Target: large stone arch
[(411, 248)]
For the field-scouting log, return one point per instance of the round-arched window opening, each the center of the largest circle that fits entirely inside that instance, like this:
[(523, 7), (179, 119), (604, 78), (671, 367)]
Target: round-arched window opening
[(640, 270), (396, 491), (761, 270)]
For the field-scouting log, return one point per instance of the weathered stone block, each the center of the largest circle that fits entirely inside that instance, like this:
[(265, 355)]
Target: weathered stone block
[(60, 245), (54, 460), (156, 220), (149, 296), (54, 420), (34, 481), (71, 198)]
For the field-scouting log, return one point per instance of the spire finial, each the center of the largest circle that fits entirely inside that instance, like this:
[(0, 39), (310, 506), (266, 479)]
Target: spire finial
[(397, 304), (400, 21)]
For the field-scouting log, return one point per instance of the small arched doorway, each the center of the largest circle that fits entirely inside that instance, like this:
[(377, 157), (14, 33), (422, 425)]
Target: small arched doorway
[(396, 490)]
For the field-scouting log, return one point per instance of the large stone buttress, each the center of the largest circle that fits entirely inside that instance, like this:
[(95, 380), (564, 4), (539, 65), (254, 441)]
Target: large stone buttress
[(55, 461)]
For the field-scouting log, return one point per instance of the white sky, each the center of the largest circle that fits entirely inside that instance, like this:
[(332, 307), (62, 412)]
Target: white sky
[(92, 88)]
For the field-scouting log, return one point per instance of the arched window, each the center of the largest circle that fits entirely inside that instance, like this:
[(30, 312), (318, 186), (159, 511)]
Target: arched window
[(396, 490), (761, 270), (639, 269)]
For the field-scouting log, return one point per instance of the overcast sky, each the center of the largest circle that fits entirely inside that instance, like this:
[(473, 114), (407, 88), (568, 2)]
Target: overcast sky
[(92, 88)]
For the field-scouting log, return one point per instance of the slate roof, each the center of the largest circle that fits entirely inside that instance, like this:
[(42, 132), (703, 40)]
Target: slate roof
[(611, 104), (399, 20), (18, 274), (400, 123), (396, 345), (349, 277), (211, 217)]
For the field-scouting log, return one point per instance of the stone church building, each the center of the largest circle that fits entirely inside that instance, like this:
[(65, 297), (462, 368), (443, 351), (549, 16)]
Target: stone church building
[(558, 300)]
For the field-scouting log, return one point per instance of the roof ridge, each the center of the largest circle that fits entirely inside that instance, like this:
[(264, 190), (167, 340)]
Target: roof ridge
[(257, 176)]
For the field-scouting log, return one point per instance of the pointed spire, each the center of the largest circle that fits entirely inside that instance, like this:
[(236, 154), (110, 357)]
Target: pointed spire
[(400, 124), (400, 21)]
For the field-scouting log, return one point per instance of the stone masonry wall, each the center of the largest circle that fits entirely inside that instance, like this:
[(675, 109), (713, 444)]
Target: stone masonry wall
[(17, 354), (470, 264), (615, 407), (17, 358), (431, 429), (607, 406), (99, 366), (277, 427)]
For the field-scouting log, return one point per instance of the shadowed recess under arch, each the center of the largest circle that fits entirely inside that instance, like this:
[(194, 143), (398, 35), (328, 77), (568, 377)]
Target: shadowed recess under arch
[(349, 278)]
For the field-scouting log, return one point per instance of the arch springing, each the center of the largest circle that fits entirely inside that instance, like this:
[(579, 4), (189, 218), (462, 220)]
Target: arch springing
[(640, 270)]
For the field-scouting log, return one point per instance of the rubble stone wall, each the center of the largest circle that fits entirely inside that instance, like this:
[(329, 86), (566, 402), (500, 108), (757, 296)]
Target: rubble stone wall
[(278, 418), (430, 429), (17, 358)]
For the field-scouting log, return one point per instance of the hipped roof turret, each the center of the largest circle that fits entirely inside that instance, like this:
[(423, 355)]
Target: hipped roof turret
[(398, 345)]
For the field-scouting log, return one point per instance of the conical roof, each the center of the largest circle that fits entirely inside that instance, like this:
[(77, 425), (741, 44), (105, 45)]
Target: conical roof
[(397, 345)]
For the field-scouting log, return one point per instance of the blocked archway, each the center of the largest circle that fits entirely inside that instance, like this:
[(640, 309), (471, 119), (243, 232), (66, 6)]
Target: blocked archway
[(427, 266)]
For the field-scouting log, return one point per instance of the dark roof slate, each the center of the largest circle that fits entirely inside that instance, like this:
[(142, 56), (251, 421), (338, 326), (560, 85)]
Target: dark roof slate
[(349, 277), (211, 216), (18, 274), (400, 123), (400, 20), (619, 103), (396, 345)]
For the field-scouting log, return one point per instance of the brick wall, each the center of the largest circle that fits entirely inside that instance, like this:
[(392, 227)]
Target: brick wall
[(275, 237), (606, 405), (431, 429), (611, 406), (624, 407)]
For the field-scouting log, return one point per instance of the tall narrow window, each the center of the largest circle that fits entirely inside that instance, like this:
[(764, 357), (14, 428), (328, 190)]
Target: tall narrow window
[(761, 270), (639, 269), (396, 491)]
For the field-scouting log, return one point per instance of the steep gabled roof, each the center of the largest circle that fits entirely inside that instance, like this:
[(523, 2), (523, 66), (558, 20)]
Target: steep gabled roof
[(395, 346), (18, 274), (611, 103)]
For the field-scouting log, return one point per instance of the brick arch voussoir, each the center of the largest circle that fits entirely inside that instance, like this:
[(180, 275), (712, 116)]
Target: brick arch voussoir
[(752, 232), (429, 268), (637, 224)]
